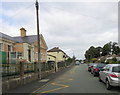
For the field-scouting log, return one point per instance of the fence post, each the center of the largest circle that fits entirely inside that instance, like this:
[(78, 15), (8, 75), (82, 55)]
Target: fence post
[(21, 68), (35, 67)]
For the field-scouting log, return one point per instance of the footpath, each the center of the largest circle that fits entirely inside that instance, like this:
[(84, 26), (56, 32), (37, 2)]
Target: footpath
[(31, 87)]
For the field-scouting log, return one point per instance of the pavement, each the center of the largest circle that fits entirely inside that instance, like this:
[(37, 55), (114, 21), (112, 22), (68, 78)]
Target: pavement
[(31, 87)]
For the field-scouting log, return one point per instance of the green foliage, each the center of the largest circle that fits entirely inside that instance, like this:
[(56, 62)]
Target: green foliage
[(94, 60), (93, 52), (69, 60), (112, 61), (106, 49), (102, 61), (118, 62)]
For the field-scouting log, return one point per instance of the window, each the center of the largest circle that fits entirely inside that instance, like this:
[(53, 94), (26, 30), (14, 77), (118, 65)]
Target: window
[(19, 54), (13, 54), (9, 48), (1, 46), (116, 69)]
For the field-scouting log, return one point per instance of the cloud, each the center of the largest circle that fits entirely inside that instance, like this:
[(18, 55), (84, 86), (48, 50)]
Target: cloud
[(74, 27)]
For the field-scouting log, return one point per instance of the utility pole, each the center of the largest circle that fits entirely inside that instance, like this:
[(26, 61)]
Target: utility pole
[(38, 37)]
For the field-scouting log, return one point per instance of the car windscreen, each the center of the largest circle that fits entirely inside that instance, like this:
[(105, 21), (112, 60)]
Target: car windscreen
[(116, 69)]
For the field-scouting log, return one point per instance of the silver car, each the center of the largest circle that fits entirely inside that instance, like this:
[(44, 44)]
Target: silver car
[(110, 75)]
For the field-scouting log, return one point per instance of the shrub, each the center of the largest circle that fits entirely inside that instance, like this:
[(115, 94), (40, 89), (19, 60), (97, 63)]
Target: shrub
[(94, 60)]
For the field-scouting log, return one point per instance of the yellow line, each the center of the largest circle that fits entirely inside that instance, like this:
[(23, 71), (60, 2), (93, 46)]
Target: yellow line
[(48, 84), (56, 83), (53, 90)]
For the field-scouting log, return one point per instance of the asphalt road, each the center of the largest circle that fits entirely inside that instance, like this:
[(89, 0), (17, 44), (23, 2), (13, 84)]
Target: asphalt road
[(76, 80)]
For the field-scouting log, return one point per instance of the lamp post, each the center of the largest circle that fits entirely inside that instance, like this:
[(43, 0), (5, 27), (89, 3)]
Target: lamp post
[(38, 37)]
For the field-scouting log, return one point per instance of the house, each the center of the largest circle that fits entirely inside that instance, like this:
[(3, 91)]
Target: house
[(57, 55), (23, 47)]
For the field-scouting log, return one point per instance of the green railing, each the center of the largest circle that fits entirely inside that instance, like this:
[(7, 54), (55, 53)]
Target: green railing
[(61, 64), (15, 69), (9, 69), (28, 67)]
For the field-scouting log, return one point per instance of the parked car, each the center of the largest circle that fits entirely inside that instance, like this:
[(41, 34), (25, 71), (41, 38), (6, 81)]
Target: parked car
[(110, 74), (77, 63), (90, 65), (96, 69)]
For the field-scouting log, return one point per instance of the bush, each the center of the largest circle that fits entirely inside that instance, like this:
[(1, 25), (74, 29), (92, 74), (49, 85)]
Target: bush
[(93, 60), (118, 62), (112, 61), (102, 61)]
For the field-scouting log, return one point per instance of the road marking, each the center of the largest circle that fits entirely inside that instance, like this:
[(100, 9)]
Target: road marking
[(56, 83), (50, 82)]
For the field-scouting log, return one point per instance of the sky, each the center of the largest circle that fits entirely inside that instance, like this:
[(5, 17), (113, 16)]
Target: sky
[(73, 26)]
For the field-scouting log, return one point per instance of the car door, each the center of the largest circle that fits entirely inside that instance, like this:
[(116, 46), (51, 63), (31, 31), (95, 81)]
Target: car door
[(105, 73), (102, 73)]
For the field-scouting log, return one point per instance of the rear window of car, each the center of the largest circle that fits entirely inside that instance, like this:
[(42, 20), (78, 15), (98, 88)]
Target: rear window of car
[(100, 65), (116, 69), (91, 64), (77, 62)]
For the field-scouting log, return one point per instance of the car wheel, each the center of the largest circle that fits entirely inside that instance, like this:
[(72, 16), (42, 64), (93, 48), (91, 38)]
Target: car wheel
[(100, 79), (108, 86)]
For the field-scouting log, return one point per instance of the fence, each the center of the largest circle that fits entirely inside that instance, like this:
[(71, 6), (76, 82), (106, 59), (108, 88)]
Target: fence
[(61, 64), (28, 67), (15, 69), (18, 69), (9, 69)]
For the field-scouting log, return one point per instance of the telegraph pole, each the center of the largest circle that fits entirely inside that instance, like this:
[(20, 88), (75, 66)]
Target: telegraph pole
[(38, 37)]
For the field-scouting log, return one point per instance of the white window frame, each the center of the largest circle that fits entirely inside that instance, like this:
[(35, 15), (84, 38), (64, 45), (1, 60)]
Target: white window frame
[(1, 47)]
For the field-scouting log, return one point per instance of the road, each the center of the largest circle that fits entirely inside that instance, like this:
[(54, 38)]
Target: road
[(76, 80)]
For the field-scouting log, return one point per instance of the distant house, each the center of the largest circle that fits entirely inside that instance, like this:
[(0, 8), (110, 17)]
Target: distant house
[(23, 47), (57, 55)]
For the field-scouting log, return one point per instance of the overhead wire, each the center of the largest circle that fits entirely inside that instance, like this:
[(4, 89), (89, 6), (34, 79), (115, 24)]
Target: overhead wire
[(19, 12), (96, 18)]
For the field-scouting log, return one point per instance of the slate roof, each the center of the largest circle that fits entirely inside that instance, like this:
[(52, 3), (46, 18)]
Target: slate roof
[(19, 39), (6, 36), (26, 39)]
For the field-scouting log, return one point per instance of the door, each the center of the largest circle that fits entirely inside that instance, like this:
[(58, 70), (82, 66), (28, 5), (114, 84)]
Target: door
[(29, 55)]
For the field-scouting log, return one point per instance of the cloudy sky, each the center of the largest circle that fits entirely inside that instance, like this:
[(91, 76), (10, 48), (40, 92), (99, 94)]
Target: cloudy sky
[(72, 26)]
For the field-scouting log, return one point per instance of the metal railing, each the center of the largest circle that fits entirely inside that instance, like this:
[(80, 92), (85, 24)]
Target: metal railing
[(9, 69), (28, 67)]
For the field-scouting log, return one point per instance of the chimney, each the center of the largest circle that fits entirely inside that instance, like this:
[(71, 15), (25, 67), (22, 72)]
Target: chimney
[(23, 32)]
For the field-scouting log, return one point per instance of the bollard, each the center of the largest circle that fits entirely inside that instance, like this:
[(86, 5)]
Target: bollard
[(21, 68)]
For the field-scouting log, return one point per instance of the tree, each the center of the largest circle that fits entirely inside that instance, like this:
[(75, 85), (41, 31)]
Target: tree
[(106, 49), (116, 49)]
